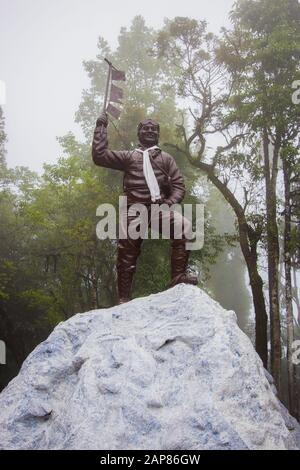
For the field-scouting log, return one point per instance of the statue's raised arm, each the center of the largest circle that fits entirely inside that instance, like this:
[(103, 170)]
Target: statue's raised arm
[(102, 156)]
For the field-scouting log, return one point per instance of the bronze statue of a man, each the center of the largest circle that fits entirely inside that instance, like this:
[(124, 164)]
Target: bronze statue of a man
[(151, 176)]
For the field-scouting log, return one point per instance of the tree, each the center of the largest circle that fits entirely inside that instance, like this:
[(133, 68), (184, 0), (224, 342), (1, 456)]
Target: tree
[(228, 275), (18, 320), (202, 81), (240, 87), (262, 54), (290, 167)]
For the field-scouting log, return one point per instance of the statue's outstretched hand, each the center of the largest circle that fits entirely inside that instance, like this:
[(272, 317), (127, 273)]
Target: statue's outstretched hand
[(102, 120)]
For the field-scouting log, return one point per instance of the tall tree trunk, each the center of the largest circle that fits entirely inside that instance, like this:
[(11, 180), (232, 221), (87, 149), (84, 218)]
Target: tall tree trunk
[(296, 294), (271, 170), (248, 241), (288, 287), (94, 287)]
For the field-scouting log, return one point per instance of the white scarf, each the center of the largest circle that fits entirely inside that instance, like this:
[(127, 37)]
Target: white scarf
[(149, 174)]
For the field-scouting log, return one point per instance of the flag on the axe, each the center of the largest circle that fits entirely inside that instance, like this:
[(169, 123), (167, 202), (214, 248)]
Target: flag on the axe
[(116, 93), (113, 111), (117, 75)]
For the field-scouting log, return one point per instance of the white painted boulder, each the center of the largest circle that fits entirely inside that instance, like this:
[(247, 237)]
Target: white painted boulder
[(168, 371)]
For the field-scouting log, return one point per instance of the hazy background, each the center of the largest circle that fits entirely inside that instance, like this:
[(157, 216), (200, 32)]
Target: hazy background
[(42, 46)]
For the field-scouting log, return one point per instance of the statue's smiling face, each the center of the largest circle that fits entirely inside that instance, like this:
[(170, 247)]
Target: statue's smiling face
[(148, 133)]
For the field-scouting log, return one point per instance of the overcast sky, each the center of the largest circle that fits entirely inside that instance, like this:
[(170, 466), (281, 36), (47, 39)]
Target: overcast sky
[(42, 46)]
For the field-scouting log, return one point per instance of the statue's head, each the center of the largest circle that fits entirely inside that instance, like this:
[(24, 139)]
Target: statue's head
[(148, 132)]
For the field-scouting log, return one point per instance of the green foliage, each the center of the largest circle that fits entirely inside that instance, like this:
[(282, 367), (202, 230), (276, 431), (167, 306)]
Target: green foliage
[(145, 89), (263, 53)]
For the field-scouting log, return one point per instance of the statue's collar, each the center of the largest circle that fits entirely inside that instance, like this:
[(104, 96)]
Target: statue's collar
[(153, 152)]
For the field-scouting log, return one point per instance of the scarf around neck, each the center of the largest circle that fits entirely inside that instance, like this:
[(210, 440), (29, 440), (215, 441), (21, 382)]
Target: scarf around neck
[(149, 174)]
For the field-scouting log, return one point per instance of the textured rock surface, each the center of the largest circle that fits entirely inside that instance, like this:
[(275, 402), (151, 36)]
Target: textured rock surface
[(169, 371)]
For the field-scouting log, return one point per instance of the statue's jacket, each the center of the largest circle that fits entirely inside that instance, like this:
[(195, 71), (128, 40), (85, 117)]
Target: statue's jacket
[(131, 163)]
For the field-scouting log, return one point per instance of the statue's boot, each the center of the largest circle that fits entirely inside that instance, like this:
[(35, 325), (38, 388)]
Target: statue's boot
[(124, 285), (128, 252), (179, 262)]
